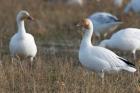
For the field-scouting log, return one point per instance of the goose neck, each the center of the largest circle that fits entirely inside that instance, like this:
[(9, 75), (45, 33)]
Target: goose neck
[(86, 41), (21, 27)]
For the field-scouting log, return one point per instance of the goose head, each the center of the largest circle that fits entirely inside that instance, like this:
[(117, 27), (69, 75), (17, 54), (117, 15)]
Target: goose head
[(22, 15), (87, 25), (87, 28)]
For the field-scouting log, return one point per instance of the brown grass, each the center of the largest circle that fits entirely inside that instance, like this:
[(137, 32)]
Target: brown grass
[(62, 72)]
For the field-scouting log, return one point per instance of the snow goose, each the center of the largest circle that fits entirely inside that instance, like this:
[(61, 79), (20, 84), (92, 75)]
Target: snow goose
[(22, 44), (126, 40), (97, 58), (133, 5), (104, 22)]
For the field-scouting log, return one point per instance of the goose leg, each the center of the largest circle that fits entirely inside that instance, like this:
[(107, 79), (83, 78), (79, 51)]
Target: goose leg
[(31, 63), (101, 74), (13, 77), (98, 36), (102, 36), (134, 55)]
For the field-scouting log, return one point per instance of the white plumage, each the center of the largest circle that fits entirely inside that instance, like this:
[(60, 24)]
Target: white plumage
[(104, 22), (100, 59), (22, 44), (133, 5), (126, 40)]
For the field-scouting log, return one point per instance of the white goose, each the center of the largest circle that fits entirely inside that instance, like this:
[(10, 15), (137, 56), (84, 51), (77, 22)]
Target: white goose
[(133, 5), (104, 22), (22, 44), (126, 40), (97, 58)]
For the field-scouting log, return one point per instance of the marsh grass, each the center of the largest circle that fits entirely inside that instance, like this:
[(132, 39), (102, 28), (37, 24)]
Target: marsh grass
[(61, 74)]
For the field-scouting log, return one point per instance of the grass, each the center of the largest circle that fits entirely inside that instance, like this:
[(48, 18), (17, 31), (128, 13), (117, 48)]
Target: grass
[(60, 72)]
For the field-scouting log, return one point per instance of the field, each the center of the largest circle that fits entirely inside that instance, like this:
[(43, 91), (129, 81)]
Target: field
[(56, 68)]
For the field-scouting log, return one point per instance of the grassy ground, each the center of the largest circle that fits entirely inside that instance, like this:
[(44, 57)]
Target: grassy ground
[(62, 72)]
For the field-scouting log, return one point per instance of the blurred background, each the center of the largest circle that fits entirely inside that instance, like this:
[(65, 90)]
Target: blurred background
[(55, 20)]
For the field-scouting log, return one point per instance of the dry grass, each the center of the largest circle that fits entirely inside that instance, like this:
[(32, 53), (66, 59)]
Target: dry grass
[(59, 73)]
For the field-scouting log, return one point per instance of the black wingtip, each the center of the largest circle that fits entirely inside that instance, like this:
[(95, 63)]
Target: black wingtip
[(115, 19), (127, 62)]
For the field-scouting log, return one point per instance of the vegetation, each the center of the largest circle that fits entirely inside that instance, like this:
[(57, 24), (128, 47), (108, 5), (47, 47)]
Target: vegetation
[(59, 72)]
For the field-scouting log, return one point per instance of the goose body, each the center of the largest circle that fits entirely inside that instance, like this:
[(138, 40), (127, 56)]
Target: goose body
[(104, 22), (125, 40), (22, 44), (133, 5), (99, 59)]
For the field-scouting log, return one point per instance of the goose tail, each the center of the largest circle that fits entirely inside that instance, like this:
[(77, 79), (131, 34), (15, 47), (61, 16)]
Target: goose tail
[(130, 69)]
